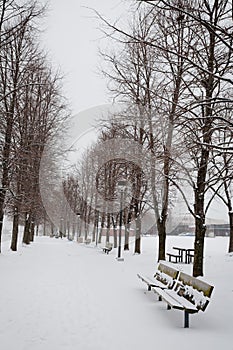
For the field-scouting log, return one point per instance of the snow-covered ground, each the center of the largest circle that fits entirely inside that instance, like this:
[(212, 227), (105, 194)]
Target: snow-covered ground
[(56, 294)]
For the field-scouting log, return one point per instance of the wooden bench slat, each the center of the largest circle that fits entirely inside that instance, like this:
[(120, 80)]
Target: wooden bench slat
[(168, 270), (184, 302), (164, 277), (199, 285), (171, 301), (152, 282)]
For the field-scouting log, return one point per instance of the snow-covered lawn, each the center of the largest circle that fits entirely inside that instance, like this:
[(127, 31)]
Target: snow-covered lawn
[(56, 294)]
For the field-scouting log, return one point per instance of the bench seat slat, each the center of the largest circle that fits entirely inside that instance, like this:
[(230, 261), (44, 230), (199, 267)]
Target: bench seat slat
[(169, 300), (175, 301), (186, 304), (152, 282)]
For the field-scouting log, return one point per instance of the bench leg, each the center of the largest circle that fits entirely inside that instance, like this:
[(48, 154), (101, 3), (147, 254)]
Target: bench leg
[(168, 307), (160, 298), (149, 287), (186, 319)]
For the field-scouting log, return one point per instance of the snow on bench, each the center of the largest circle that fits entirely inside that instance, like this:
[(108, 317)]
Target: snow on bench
[(107, 248), (188, 294), (164, 277)]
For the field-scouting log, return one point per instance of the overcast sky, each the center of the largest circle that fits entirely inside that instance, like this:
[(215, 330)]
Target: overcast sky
[(72, 39)]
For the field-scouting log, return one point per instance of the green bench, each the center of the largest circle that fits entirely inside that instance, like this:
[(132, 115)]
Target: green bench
[(179, 290), (189, 294), (107, 248), (164, 277)]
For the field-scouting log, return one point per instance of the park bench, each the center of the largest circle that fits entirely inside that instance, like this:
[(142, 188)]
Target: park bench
[(165, 277), (87, 241), (107, 248), (189, 294)]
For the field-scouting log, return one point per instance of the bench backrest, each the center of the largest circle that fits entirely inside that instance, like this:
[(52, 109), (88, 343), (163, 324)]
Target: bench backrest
[(167, 275), (168, 270), (194, 290), (197, 284), (109, 245)]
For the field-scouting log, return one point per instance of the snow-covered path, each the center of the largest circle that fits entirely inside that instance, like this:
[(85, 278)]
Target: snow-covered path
[(56, 294)]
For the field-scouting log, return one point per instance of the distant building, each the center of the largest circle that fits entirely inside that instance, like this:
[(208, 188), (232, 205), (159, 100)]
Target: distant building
[(218, 230), (186, 225)]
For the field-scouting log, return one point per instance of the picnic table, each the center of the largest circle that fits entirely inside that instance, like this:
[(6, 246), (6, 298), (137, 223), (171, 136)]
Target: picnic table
[(186, 254)]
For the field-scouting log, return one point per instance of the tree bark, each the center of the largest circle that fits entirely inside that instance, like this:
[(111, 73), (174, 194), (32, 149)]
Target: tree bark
[(32, 231), (127, 230), (161, 226), (15, 230), (114, 224), (108, 227), (1, 226), (230, 250), (200, 227), (137, 248), (26, 233)]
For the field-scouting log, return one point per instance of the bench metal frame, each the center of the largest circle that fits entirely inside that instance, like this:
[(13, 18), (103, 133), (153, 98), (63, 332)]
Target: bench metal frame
[(175, 300), (172, 294)]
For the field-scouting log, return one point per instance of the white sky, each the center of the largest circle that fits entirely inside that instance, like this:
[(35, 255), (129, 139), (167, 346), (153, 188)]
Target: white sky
[(72, 38)]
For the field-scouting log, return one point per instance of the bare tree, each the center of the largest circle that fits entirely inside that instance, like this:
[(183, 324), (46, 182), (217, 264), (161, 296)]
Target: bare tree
[(152, 79), (15, 24), (210, 60)]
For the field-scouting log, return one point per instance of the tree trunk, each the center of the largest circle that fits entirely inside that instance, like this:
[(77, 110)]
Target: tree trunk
[(101, 228), (52, 229), (200, 227), (37, 230), (26, 233), (32, 231), (161, 226), (137, 248), (94, 230), (100, 234), (80, 226), (127, 230), (44, 226), (108, 227), (1, 225), (7, 146), (15, 230), (114, 224), (230, 250), (5, 169), (200, 230), (200, 189)]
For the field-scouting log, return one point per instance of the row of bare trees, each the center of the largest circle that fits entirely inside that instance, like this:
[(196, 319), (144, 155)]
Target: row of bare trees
[(92, 191), (32, 111), (172, 68)]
